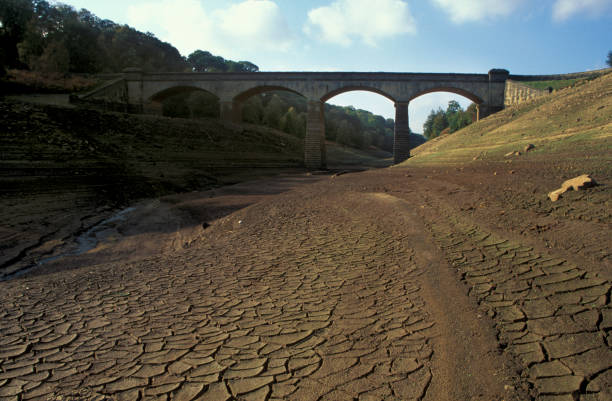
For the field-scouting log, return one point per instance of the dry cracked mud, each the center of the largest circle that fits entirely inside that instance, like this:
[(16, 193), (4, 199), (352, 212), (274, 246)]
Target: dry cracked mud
[(373, 286)]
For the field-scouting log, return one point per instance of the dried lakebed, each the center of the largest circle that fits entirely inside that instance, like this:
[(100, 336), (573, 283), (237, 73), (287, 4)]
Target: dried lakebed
[(354, 287)]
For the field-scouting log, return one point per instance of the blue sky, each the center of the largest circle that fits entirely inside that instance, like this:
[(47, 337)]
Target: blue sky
[(471, 36)]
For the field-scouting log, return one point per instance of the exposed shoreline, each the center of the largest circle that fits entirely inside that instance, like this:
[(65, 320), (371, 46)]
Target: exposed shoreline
[(89, 244)]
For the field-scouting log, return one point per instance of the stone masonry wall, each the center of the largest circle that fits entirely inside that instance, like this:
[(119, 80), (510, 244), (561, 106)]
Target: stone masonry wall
[(517, 92)]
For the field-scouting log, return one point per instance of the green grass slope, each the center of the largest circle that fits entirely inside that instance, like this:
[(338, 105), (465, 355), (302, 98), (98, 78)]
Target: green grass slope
[(574, 123)]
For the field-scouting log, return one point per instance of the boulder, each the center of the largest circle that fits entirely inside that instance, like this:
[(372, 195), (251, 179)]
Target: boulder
[(513, 153), (577, 183)]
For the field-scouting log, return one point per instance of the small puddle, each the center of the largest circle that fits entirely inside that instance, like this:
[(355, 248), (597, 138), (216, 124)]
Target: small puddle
[(81, 244), (98, 233)]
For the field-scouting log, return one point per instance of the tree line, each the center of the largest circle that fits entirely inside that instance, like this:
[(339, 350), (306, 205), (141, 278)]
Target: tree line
[(447, 121), (56, 38)]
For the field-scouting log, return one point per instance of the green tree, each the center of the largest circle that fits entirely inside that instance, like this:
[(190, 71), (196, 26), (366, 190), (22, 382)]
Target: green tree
[(440, 122), (247, 66), (294, 123), (429, 130), (14, 18), (55, 59), (80, 39), (93, 45), (453, 107), (454, 118), (203, 61), (453, 115), (253, 110), (202, 104), (232, 66), (240, 66), (609, 60), (343, 135), (457, 118), (274, 110), (331, 127)]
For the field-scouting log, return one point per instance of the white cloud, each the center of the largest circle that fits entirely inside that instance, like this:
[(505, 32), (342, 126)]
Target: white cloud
[(258, 22), (564, 9), (237, 31), (343, 21), (461, 11)]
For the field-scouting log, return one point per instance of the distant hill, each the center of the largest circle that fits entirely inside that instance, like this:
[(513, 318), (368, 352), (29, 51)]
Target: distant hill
[(56, 38)]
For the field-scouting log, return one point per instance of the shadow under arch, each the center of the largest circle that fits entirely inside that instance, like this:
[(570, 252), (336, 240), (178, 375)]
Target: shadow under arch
[(177, 90), (352, 88), (205, 105)]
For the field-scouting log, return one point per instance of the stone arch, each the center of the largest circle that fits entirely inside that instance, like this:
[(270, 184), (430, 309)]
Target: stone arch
[(256, 90), (232, 109), (354, 95), (352, 88), (175, 90), (481, 108), (462, 92), (315, 150), (237, 103)]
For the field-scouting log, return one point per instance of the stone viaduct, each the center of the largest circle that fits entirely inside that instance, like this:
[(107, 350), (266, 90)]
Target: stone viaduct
[(141, 92)]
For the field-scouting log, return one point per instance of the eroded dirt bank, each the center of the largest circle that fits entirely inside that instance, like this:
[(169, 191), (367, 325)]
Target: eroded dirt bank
[(398, 284)]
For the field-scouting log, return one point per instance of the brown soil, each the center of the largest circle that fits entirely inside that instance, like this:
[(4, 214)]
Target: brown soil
[(457, 283)]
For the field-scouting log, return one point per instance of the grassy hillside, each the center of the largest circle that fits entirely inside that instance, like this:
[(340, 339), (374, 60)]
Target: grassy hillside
[(572, 122)]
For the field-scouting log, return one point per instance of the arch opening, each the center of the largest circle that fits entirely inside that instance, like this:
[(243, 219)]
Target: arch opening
[(244, 96), (185, 102), (441, 111), (273, 106), (363, 119)]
